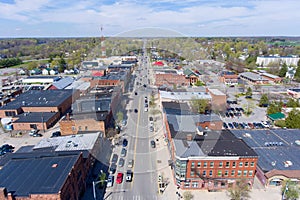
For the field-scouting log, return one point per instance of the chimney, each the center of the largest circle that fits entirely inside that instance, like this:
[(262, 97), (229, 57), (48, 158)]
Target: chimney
[(189, 137)]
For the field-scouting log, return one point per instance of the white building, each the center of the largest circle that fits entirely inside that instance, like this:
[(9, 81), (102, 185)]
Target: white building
[(266, 60)]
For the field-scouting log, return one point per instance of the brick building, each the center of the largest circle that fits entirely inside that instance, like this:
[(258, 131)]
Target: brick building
[(219, 99), (92, 112), (210, 160), (228, 77), (171, 79), (38, 108), (43, 175)]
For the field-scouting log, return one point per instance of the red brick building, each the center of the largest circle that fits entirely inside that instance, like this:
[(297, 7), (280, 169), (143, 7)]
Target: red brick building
[(228, 77), (43, 176), (209, 160), (171, 79)]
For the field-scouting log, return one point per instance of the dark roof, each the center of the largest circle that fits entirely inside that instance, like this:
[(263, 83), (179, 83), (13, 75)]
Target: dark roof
[(295, 89), (213, 143), (176, 108), (34, 117), (274, 147), (33, 173), (39, 98), (120, 75), (97, 115)]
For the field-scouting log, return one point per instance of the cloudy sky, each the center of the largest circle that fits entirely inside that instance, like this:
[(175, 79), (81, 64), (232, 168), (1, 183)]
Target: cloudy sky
[(69, 18)]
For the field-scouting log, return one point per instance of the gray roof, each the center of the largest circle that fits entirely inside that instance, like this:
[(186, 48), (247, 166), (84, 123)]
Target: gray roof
[(184, 96), (36, 117), (34, 174), (69, 143), (79, 85), (252, 76), (273, 146), (185, 149), (270, 75), (39, 98), (63, 83)]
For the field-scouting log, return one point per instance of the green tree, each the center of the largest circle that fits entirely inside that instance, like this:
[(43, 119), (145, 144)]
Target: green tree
[(32, 65), (283, 70), (264, 100), (293, 119), (120, 117), (292, 103), (200, 105), (249, 91), (102, 179), (241, 190), (187, 195), (290, 190), (274, 108), (297, 73), (199, 83)]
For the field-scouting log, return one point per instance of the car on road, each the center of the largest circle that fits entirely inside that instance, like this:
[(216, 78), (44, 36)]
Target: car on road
[(123, 152), (146, 109), (130, 163), (136, 93), (151, 128), (112, 168), (37, 135), (114, 158), (125, 142), (56, 134), (110, 181), (152, 143), (33, 131), (121, 162), (119, 178), (135, 110), (129, 174)]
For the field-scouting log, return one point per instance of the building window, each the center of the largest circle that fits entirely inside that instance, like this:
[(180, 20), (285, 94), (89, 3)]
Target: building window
[(204, 173), (10, 113), (211, 164), (250, 173), (186, 184), (223, 184), (193, 164), (233, 164), (226, 173), (246, 164), (252, 164), (73, 128), (245, 173), (205, 164), (232, 172), (239, 172), (227, 164), (192, 173), (210, 173), (79, 128), (182, 175), (86, 128), (241, 164), (219, 173), (199, 164), (194, 184), (221, 164)]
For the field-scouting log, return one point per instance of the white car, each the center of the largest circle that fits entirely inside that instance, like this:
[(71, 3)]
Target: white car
[(130, 163), (33, 132), (110, 181)]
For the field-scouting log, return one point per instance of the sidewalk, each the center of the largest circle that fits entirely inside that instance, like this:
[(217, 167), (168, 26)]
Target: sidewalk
[(163, 155)]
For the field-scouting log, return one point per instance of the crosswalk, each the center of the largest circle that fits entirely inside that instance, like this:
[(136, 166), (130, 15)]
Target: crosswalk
[(131, 197)]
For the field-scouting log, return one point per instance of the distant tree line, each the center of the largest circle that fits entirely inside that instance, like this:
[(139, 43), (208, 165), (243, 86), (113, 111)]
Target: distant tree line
[(8, 62)]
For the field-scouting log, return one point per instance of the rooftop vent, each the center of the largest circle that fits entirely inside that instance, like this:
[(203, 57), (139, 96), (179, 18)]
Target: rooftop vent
[(54, 165), (288, 163)]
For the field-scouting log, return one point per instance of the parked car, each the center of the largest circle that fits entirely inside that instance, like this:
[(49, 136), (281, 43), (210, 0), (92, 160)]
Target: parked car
[(121, 162), (112, 168), (151, 129), (225, 125), (119, 178), (130, 163), (250, 125), (152, 143), (56, 134), (33, 131), (37, 135), (114, 158), (123, 152), (129, 176), (110, 181), (125, 142), (230, 126)]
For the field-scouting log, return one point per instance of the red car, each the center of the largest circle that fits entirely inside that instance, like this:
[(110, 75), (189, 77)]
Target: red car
[(119, 178)]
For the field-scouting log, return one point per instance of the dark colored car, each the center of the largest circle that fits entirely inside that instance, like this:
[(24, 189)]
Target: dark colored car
[(135, 110), (56, 134), (136, 93), (236, 125), (225, 125), (152, 142), (113, 168), (37, 135), (230, 125), (125, 143), (114, 158)]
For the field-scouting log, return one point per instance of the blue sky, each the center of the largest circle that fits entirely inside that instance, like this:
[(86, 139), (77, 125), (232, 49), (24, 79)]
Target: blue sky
[(76, 18)]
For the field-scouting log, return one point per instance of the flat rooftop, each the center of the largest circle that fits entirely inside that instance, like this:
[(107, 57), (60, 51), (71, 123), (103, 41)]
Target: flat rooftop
[(69, 143), (176, 96), (35, 173), (274, 147), (39, 98), (37, 117)]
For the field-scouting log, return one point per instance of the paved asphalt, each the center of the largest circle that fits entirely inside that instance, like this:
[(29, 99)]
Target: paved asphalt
[(144, 184)]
